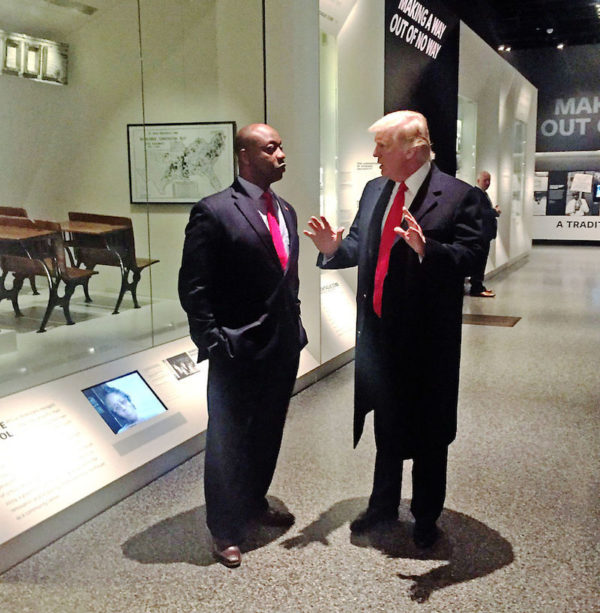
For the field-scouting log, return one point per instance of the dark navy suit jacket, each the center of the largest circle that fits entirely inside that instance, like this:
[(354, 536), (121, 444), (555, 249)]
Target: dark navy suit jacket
[(241, 305)]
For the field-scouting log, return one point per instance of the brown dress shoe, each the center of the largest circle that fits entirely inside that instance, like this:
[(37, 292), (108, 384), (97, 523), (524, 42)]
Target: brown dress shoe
[(273, 517), (226, 553)]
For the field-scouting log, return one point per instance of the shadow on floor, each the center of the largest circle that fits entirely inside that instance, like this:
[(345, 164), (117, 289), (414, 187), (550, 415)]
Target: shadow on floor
[(185, 538), (471, 548)]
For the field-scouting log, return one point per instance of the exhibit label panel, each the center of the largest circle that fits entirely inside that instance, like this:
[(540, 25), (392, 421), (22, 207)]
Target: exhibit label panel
[(66, 440), (71, 448), (421, 69)]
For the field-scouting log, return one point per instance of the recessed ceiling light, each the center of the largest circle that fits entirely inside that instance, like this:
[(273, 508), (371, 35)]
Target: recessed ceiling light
[(507, 49), (560, 46), (549, 30), (501, 48)]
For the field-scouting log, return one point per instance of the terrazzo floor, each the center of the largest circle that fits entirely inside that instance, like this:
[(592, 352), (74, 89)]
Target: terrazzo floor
[(520, 525)]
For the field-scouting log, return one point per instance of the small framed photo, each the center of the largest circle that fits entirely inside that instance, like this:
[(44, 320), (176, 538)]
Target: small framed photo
[(179, 163), (182, 365)]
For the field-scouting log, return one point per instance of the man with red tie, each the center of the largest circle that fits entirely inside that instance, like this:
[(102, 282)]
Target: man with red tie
[(238, 283), (414, 238)]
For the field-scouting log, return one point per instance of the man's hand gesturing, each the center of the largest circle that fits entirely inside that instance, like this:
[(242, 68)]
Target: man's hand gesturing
[(326, 240)]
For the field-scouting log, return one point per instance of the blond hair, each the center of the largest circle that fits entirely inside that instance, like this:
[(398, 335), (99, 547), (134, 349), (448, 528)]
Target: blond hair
[(409, 127)]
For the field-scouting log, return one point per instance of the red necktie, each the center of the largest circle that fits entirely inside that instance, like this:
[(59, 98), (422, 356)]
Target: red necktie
[(388, 236), (275, 231)]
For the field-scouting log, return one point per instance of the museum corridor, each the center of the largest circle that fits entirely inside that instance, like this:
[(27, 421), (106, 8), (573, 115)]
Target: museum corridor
[(520, 525)]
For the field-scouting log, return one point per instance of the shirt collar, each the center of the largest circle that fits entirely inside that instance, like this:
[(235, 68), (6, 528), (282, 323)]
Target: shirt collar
[(414, 182), (253, 190)]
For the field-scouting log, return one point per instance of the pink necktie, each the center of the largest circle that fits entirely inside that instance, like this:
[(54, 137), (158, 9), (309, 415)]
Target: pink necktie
[(388, 236), (275, 231)]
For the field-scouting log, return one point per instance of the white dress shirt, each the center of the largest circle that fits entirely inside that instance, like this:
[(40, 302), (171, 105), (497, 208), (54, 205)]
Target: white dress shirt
[(256, 193)]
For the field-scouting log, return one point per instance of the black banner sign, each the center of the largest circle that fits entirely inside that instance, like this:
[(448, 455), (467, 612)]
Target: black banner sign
[(421, 69)]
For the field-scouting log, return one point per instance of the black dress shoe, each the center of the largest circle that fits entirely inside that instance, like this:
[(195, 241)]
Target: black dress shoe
[(425, 534), (227, 553), (273, 517), (367, 520)]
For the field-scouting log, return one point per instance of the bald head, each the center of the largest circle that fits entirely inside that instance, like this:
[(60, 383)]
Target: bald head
[(261, 159), (484, 179)]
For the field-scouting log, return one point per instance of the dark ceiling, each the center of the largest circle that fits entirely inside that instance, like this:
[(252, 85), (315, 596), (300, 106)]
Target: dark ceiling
[(527, 24)]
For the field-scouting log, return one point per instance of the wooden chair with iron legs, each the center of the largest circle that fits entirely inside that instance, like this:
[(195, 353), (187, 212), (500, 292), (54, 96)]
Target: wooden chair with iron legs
[(44, 257), (16, 211), (114, 249)]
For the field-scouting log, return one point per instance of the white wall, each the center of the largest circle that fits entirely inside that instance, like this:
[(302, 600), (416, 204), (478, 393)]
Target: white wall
[(292, 35), (502, 95), (361, 73)]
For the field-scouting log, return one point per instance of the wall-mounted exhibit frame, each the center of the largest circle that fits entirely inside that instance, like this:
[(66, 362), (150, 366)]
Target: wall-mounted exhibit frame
[(567, 205), (466, 140), (172, 163), (33, 58), (518, 171)]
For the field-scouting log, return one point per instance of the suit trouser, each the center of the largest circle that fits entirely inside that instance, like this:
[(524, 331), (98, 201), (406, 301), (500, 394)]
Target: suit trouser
[(428, 474), (477, 285), (247, 406)]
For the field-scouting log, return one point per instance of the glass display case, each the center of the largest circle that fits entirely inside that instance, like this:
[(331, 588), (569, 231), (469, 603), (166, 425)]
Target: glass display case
[(103, 170)]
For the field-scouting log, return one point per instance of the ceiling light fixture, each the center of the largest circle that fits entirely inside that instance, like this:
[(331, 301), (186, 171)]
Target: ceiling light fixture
[(549, 30), (560, 46), (501, 48)]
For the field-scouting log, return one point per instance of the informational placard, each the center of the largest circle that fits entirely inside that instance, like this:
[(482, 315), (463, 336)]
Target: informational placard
[(50, 458), (179, 163), (582, 182), (62, 462), (63, 441)]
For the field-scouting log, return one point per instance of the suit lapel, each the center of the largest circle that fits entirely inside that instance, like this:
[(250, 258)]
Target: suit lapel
[(374, 219), (249, 209), (427, 196)]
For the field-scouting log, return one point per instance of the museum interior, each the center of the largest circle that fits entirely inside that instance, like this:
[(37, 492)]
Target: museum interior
[(116, 117)]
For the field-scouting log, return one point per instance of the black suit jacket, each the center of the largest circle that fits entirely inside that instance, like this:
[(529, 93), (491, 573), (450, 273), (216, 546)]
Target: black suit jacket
[(489, 216), (241, 305), (408, 361)]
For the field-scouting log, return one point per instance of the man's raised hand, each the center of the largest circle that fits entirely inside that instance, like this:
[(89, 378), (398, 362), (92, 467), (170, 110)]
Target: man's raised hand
[(326, 240)]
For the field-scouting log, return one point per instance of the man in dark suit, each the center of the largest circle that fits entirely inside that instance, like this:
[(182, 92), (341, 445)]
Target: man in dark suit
[(238, 284), (416, 234), (489, 218)]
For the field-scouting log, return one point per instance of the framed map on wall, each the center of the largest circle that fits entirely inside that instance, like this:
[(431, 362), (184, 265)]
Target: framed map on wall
[(179, 163)]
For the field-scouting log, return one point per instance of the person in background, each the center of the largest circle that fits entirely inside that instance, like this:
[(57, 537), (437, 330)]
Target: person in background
[(577, 206), (489, 217)]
